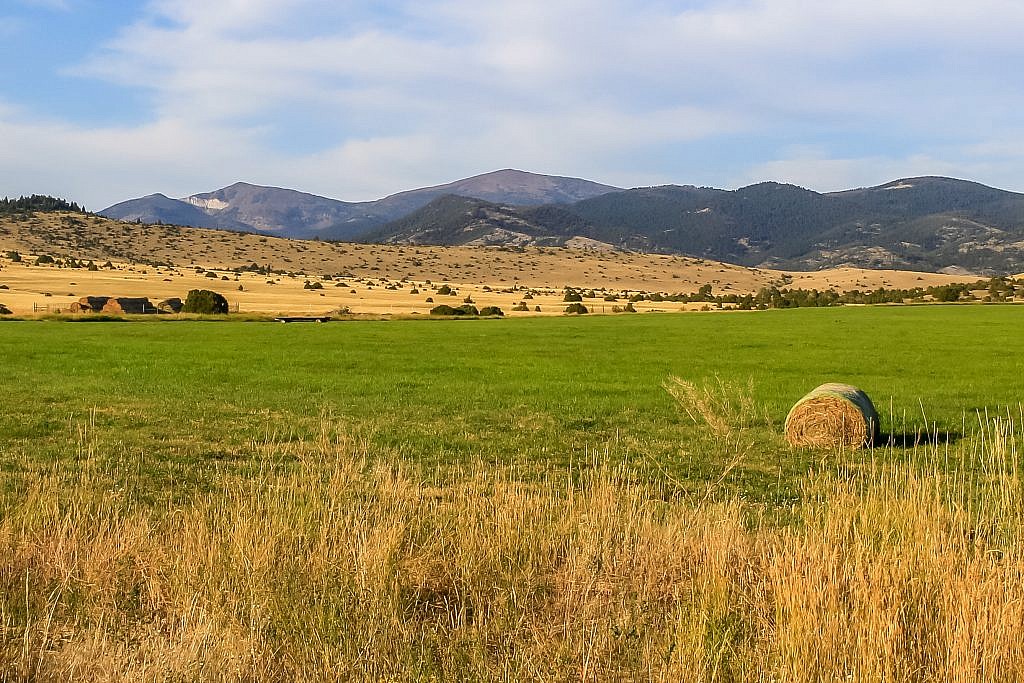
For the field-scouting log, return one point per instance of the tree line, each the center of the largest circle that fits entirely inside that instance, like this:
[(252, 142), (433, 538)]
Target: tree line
[(38, 202)]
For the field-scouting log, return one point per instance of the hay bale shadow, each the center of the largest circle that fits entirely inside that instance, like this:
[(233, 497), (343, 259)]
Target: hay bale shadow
[(918, 438)]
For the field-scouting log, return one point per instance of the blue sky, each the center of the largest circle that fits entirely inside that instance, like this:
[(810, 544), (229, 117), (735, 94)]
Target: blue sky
[(103, 100)]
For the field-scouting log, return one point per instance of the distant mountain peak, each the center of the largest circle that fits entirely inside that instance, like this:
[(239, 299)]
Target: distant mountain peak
[(291, 213)]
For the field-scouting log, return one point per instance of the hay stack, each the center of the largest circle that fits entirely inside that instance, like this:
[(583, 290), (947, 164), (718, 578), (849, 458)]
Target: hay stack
[(90, 304), (127, 304), (172, 305), (833, 415)]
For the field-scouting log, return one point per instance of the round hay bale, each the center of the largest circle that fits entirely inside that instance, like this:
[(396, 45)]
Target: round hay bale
[(831, 416)]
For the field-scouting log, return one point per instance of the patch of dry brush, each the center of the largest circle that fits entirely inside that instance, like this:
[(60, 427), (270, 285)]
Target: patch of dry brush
[(342, 569)]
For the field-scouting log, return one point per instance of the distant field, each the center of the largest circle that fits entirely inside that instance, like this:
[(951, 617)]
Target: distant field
[(185, 400), (161, 261)]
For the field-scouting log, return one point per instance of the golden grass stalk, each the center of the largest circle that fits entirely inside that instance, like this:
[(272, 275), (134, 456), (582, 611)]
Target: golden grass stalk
[(345, 569)]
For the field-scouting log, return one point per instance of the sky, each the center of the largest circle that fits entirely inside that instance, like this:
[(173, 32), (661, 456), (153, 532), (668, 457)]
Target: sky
[(106, 100)]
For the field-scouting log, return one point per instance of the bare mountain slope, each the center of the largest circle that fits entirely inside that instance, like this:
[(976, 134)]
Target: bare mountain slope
[(290, 213)]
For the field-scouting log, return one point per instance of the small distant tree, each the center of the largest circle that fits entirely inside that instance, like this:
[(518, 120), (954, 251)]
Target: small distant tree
[(205, 301)]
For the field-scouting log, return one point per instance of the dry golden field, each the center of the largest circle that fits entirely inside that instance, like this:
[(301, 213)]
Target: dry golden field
[(366, 279)]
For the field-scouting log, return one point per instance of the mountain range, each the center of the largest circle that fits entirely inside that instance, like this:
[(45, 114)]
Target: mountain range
[(928, 223), (288, 213)]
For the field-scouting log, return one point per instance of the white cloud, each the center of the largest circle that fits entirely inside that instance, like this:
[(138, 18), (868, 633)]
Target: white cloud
[(408, 93)]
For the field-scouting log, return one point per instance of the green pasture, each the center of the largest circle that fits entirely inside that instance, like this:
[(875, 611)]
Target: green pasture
[(172, 406)]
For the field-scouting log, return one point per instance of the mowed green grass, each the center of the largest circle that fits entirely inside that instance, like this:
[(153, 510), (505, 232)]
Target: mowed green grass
[(172, 406)]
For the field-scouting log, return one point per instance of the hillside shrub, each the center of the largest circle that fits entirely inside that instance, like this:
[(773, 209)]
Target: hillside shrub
[(44, 259), (576, 309), (572, 295), (491, 310), (205, 301), (444, 290), (4, 310), (445, 309)]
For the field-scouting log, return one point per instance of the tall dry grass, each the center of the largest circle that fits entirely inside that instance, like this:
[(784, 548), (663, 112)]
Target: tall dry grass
[(897, 568)]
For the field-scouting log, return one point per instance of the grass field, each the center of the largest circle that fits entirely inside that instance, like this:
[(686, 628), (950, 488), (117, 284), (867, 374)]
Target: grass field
[(517, 499), (183, 398)]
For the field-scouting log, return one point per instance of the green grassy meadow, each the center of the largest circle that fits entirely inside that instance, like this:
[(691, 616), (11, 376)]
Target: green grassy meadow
[(179, 404), (510, 500)]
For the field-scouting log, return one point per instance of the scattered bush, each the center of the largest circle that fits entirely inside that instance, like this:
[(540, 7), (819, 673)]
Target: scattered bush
[(491, 310), (312, 285), (444, 290), (4, 310), (14, 256), (521, 306), (211, 274), (572, 295), (44, 259), (205, 301), (576, 309), (445, 309)]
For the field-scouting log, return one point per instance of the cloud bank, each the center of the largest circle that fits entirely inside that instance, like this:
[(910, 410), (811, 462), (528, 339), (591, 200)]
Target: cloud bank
[(359, 99)]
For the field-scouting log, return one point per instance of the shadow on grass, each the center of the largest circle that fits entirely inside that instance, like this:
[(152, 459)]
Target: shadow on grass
[(918, 438)]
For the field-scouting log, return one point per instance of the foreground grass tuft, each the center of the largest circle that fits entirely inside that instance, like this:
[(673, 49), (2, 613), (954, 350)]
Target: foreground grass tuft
[(349, 567)]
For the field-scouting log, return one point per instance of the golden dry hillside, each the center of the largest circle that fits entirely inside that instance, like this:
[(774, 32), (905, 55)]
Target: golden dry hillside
[(161, 261)]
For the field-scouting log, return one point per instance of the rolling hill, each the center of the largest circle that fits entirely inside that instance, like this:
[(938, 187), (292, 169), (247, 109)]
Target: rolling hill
[(925, 223)]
